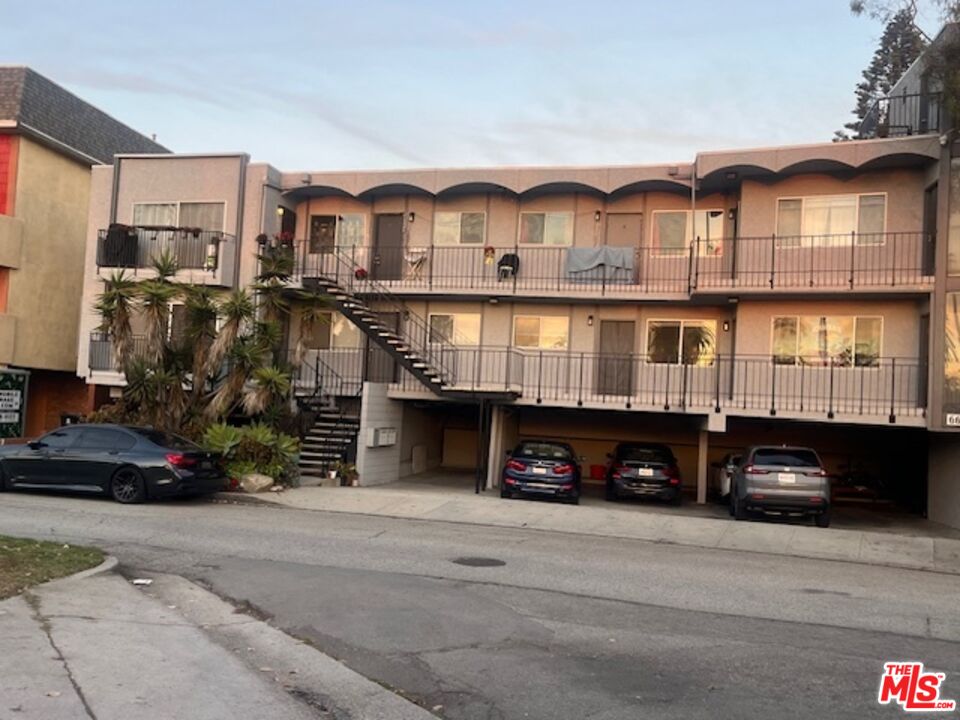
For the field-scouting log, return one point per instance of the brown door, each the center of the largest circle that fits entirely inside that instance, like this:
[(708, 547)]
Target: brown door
[(388, 248), (381, 367), (615, 363), (623, 229), (929, 229), (323, 230)]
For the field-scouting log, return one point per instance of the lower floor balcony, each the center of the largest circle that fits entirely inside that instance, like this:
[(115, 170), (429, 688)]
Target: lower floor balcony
[(884, 390)]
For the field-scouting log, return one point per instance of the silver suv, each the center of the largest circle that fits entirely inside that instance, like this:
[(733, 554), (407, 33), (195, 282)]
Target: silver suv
[(786, 480)]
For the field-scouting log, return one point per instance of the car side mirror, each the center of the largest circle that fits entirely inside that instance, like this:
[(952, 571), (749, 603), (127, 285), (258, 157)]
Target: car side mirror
[(36, 444)]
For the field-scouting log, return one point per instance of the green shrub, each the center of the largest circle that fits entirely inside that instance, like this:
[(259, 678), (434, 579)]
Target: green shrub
[(254, 448)]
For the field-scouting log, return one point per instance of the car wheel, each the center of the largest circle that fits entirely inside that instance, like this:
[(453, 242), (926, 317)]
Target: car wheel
[(126, 486), (575, 500), (506, 494), (3, 480), (611, 492), (739, 509), (823, 519), (677, 499), (730, 504)]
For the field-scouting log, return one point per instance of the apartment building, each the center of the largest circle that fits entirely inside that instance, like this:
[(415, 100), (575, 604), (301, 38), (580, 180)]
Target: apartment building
[(49, 140), (801, 294)]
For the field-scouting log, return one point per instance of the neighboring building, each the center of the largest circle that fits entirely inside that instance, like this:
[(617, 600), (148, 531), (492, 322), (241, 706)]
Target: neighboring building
[(49, 140), (790, 294)]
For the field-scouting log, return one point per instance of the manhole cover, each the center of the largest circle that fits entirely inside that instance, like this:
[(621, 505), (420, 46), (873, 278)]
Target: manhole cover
[(478, 562)]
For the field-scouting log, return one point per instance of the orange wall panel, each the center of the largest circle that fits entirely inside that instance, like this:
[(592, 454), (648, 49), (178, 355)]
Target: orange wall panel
[(8, 170)]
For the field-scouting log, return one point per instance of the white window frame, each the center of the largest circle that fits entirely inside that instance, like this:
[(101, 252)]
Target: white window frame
[(513, 334), (690, 235), (456, 332), (803, 229), (338, 218), (459, 242), (178, 203), (682, 322), (573, 229), (856, 319)]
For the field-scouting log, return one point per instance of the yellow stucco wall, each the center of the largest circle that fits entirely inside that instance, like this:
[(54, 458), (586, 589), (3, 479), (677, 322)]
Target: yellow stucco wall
[(45, 291)]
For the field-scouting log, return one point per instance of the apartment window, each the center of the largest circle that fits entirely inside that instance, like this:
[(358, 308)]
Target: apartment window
[(825, 339), (543, 333), (690, 342), (203, 215), (951, 360), (458, 228), (330, 231), (455, 328), (331, 331), (675, 230), (546, 228), (830, 220)]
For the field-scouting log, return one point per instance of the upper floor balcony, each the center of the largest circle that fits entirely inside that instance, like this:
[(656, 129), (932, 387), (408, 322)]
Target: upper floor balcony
[(858, 262), (194, 250), (902, 115)]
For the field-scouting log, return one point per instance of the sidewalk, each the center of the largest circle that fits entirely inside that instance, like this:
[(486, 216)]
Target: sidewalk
[(710, 527), (99, 647)]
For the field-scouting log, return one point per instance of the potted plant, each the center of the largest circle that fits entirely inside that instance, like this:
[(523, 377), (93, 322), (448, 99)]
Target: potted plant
[(346, 472)]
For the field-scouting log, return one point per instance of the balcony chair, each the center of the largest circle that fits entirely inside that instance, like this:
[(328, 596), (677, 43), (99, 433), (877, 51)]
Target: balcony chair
[(508, 266)]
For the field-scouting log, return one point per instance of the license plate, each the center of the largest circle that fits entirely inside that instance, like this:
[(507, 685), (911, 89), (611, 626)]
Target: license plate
[(539, 471), (645, 472), (206, 465), (539, 487), (787, 478)]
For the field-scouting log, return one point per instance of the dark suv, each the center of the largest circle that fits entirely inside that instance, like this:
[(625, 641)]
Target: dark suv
[(785, 480), (542, 468), (643, 470)]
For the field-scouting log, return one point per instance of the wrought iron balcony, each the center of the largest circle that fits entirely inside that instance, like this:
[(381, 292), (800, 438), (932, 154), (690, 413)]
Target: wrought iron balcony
[(135, 246), (101, 351), (903, 115)]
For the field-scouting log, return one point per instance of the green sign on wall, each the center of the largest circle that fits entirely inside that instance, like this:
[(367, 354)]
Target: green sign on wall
[(13, 402)]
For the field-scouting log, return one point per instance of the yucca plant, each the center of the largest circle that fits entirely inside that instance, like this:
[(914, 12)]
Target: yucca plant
[(116, 305), (269, 387)]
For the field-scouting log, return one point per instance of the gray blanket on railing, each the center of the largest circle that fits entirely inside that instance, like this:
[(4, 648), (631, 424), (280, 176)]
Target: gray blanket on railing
[(596, 264)]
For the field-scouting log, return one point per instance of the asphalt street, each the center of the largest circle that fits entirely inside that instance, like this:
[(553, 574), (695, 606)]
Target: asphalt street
[(483, 622)]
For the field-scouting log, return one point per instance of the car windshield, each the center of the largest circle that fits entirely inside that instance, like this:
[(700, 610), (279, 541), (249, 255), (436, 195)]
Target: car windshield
[(550, 451), (788, 457), (642, 453), (167, 440)]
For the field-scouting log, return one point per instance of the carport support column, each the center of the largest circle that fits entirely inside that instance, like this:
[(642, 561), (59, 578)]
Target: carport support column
[(496, 449), (703, 447)]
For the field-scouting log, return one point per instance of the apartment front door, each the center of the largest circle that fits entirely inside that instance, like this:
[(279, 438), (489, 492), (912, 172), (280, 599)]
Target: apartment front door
[(388, 247), (623, 229), (381, 367), (615, 362)]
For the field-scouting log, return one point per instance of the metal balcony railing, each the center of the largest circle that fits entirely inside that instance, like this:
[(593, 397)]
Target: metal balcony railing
[(835, 262), (903, 115), (101, 351), (130, 246), (879, 389), (847, 261)]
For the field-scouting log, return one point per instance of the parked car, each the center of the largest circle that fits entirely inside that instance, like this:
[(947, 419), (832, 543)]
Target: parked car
[(786, 480), (724, 474), (638, 469), (130, 464), (542, 468)]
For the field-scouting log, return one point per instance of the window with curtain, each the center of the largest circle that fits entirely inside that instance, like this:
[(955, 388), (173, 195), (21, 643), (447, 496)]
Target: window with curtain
[(541, 332), (164, 214), (831, 220), (546, 228), (690, 342), (350, 229), (458, 228), (843, 341), (455, 328), (206, 216), (675, 230)]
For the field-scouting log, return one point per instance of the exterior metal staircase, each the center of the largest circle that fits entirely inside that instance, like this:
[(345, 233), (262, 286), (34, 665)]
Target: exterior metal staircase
[(332, 436), (429, 359)]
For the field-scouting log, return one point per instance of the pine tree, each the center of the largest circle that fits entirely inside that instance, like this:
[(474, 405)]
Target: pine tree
[(901, 44)]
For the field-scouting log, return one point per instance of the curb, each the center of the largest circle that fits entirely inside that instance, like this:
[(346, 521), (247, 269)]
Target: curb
[(108, 565), (242, 499)]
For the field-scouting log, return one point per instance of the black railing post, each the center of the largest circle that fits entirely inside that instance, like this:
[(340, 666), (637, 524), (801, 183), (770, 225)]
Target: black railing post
[(733, 260), (773, 385), (830, 413), (580, 384), (689, 268), (853, 257), (559, 269), (431, 256), (516, 267), (506, 370), (802, 379), (893, 390), (894, 263), (540, 379), (695, 263), (773, 259), (716, 390)]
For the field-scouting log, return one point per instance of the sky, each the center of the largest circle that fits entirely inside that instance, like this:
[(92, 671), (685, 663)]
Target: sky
[(318, 85)]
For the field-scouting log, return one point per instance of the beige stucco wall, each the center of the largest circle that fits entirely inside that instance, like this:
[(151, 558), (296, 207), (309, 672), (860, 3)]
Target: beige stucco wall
[(943, 480), (52, 196), (904, 190)]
